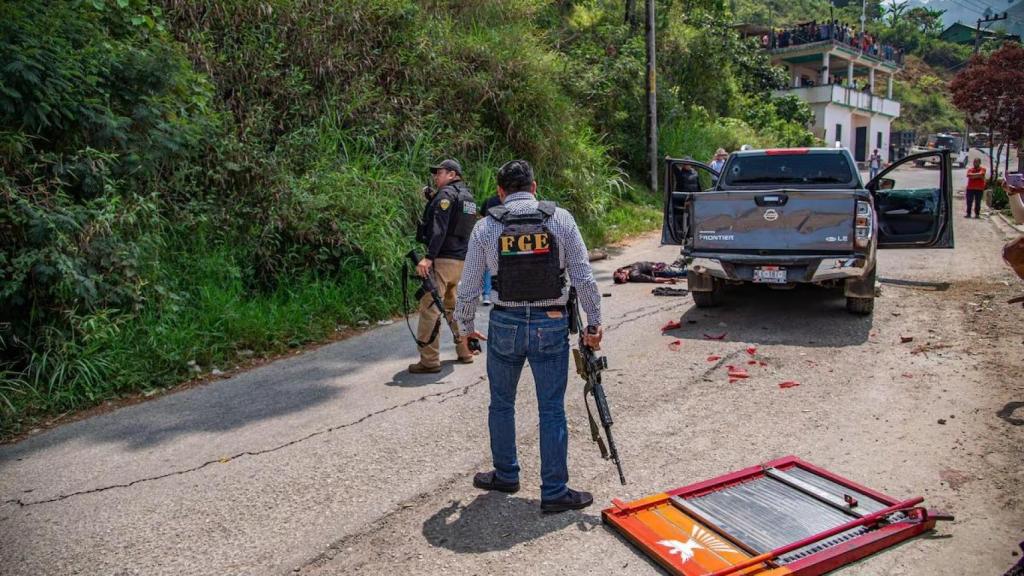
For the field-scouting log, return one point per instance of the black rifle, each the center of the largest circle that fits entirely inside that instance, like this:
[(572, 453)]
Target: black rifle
[(427, 286), (589, 366)]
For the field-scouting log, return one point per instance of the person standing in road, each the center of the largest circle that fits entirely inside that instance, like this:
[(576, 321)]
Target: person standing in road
[(874, 164), (448, 218), (685, 178), (718, 162), (975, 187), (491, 202), (530, 247)]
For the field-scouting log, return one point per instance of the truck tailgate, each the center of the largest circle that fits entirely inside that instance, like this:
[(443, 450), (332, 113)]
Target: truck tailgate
[(817, 221)]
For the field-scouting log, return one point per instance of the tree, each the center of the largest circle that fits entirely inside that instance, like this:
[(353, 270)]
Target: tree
[(991, 92), (927, 20), (895, 10)]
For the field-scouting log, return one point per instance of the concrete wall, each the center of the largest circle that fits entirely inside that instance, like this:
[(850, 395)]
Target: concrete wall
[(879, 125), (826, 116)]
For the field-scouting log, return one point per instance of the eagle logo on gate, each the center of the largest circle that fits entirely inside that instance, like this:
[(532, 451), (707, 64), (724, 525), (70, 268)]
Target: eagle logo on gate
[(701, 539)]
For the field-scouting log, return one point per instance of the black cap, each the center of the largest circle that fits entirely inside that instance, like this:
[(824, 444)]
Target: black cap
[(448, 164), (515, 175)]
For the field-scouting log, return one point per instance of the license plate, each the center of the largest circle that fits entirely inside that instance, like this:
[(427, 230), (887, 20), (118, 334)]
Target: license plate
[(770, 275)]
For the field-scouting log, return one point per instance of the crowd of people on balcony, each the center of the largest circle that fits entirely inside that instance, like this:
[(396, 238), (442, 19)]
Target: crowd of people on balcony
[(836, 31)]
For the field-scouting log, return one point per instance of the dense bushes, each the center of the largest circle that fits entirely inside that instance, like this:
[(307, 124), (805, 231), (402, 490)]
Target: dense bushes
[(188, 182)]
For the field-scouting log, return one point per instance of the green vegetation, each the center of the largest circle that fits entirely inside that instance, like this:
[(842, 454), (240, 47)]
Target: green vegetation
[(927, 105), (186, 184)]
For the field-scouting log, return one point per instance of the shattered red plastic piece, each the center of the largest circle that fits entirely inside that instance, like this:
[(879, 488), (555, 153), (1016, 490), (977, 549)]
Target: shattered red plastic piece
[(906, 339), (714, 358), (751, 350), (675, 345), (789, 384), (671, 325), (907, 375), (763, 363), (715, 336), (735, 372), (751, 362)]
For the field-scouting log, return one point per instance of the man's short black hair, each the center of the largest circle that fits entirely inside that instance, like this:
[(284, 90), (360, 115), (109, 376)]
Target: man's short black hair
[(515, 176)]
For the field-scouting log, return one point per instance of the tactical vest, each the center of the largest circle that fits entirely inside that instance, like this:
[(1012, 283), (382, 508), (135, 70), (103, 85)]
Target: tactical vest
[(463, 212), (528, 265)]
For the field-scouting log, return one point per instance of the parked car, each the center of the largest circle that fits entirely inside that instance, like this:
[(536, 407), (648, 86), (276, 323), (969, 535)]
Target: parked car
[(794, 216)]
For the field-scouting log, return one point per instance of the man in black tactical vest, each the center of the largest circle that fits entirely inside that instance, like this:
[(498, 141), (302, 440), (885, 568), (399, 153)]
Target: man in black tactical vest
[(448, 219), (530, 247)]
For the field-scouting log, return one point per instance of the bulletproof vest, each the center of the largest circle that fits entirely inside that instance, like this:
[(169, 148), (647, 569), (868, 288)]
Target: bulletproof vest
[(528, 264), (463, 212)]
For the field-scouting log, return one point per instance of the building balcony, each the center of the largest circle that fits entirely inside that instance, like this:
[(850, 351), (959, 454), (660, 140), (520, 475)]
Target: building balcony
[(835, 94)]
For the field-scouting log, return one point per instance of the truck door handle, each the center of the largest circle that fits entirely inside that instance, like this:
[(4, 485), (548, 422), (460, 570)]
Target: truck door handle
[(771, 199)]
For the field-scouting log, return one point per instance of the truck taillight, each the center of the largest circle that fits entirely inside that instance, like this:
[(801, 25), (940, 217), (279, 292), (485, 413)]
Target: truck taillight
[(863, 225)]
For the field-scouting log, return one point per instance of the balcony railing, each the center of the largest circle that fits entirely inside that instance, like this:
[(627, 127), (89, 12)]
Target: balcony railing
[(836, 94)]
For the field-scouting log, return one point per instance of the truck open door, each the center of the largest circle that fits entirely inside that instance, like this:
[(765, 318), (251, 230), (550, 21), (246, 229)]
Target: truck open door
[(914, 203), (683, 178)]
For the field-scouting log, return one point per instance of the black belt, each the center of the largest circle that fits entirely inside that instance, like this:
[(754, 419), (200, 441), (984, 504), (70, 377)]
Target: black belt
[(551, 308)]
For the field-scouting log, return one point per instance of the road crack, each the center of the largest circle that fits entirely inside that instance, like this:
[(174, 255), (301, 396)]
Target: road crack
[(452, 393), (640, 314)]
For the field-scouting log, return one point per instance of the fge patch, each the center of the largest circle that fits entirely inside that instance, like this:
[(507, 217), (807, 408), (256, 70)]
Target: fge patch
[(523, 244)]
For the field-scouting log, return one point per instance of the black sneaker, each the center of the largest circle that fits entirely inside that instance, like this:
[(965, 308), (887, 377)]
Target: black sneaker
[(571, 500), (490, 481)]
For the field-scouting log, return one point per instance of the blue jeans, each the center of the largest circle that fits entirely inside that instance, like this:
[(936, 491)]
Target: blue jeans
[(487, 284), (514, 336), (872, 172)]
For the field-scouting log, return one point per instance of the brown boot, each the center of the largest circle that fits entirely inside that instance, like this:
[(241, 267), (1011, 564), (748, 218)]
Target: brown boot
[(462, 349), (421, 368)]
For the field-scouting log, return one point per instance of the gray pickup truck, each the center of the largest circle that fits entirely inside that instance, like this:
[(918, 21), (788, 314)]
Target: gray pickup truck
[(791, 216)]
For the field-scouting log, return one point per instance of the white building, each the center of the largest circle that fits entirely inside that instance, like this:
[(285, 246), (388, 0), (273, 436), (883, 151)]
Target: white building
[(825, 74)]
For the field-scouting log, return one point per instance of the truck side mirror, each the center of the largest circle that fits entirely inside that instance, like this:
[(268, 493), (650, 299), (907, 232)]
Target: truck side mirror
[(886, 184)]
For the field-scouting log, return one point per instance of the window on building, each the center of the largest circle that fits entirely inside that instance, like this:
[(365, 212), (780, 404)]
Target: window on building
[(839, 132), (878, 141)]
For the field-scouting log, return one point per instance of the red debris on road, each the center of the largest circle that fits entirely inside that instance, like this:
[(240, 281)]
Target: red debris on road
[(789, 384), (675, 345), (671, 325), (751, 350), (714, 358), (735, 372)]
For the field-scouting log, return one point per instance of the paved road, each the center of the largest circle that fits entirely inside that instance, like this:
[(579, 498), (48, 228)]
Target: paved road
[(338, 462)]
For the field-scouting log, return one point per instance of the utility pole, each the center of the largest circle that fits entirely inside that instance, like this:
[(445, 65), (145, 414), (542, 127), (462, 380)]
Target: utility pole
[(652, 100), (977, 48), (977, 29)]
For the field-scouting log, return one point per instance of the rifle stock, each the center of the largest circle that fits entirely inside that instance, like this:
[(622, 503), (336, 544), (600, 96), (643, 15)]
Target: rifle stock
[(589, 366)]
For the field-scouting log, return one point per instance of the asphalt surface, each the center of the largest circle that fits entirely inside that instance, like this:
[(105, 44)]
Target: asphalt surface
[(339, 462)]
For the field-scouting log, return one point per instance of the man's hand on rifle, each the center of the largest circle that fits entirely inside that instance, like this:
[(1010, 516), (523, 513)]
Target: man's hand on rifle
[(423, 268), (592, 337)]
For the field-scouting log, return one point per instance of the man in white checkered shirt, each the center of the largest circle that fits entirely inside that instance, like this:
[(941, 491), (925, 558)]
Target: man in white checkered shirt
[(535, 331)]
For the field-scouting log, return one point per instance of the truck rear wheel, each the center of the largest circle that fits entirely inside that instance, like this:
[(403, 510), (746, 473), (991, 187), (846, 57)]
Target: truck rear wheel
[(709, 298), (861, 306)]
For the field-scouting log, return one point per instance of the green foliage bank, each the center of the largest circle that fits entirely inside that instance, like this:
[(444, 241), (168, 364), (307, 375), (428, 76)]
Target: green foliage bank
[(190, 182)]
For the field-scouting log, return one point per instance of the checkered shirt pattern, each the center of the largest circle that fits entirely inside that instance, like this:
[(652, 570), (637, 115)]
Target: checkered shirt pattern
[(483, 254)]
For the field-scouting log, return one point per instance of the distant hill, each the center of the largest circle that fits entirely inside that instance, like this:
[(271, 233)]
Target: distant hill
[(969, 11)]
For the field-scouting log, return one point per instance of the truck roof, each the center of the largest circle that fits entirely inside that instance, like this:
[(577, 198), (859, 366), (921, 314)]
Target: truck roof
[(784, 151)]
